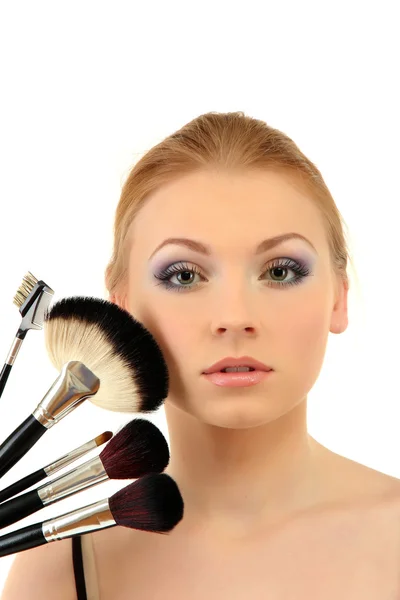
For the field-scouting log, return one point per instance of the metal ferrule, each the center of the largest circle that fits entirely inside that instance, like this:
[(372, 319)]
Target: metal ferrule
[(69, 458), (86, 475), (83, 520), (75, 383), (36, 306), (12, 355)]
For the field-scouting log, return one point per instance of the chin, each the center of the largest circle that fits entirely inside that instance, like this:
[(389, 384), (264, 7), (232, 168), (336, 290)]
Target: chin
[(234, 413)]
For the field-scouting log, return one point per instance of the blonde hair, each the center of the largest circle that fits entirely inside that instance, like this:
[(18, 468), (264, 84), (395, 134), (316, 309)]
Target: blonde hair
[(231, 141)]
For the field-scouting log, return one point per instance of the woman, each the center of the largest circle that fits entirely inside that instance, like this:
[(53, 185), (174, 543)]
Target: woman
[(228, 244)]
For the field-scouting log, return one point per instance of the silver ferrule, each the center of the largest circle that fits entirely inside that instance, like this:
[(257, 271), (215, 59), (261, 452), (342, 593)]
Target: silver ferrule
[(75, 383), (12, 355), (34, 317), (85, 476), (69, 458), (77, 522)]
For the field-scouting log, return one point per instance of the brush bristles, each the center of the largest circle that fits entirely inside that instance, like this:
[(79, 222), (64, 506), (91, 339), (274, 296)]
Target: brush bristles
[(103, 438), (119, 350), (152, 503), (28, 283), (139, 448)]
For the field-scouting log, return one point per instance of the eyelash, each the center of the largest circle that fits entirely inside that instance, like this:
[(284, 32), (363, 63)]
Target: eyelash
[(300, 269)]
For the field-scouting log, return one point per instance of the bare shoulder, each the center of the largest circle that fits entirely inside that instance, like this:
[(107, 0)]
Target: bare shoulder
[(36, 573), (350, 481), (369, 483), (366, 493), (119, 553), (111, 545)]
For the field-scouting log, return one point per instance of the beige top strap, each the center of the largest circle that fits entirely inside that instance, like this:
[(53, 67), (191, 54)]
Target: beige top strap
[(89, 567)]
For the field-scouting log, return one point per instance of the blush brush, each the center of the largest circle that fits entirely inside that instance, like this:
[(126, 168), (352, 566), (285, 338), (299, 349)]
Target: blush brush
[(32, 298), (53, 467), (138, 449), (151, 503), (102, 343)]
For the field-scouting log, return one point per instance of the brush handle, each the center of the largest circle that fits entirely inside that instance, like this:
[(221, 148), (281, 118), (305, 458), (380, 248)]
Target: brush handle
[(22, 484), (22, 539), (19, 443), (5, 372), (20, 507), (12, 355)]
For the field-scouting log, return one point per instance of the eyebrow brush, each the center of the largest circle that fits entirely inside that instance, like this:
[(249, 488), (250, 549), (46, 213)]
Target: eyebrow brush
[(138, 449), (33, 298), (53, 467)]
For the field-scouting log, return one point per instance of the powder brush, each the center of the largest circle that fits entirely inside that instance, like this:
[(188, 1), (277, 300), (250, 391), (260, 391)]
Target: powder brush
[(32, 298), (54, 466), (137, 449), (151, 503)]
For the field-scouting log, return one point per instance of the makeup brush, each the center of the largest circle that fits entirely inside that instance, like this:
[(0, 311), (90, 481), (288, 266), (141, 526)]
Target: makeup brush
[(75, 384), (115, 346), (32, 298), (110, 346), (151, 503), (139, 448), (53, 467)]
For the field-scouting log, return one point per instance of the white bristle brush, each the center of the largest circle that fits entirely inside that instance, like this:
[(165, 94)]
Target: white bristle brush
[(112, 344)]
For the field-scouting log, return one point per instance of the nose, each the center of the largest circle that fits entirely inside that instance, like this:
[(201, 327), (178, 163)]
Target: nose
[(234, 314), (233, 328)]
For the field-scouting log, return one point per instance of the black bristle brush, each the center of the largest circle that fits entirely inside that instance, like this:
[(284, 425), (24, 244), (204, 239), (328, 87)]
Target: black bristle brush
[(54, 466), (32, 298), (152, 503), (138, 449), (93, 341)]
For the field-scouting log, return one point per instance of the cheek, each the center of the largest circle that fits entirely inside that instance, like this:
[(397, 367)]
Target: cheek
[(177, 335), (174, 334), (308, 329), (301, 323), (302, 343)]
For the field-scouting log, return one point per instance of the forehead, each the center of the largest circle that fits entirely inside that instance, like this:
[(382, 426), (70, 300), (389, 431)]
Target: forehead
[(223, 206)]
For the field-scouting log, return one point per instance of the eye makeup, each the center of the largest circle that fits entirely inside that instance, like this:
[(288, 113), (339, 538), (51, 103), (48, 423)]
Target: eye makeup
[(300, 267)]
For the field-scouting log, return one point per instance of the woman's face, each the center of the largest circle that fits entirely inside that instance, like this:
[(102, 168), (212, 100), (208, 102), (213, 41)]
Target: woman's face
[(276, 306)]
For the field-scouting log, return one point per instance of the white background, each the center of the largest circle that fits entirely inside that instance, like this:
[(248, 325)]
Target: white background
[(86, 88)]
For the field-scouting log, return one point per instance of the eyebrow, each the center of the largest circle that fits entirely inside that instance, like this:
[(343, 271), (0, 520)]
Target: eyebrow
[(262, 247)]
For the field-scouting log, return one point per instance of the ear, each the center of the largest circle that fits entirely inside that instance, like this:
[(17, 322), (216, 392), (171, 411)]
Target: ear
[(119, 299), (339, 318)]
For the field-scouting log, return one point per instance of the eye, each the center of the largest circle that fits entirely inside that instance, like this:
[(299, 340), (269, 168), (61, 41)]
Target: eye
[(283, 265), (188, 272), (178, 269)]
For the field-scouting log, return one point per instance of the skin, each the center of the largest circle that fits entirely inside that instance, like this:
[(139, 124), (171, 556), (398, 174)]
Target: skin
[(242, 457)]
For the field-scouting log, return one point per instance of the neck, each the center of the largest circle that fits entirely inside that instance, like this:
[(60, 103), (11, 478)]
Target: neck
[(233, 480)]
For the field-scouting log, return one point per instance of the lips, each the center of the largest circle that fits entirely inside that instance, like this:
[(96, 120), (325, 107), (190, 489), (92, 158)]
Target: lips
[(243, 361)]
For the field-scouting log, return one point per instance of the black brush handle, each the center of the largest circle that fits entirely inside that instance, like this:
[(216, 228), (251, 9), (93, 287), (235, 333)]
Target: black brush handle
[(5, 372), (22, 539), (20, 507), (22, 484), (19, 443)]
